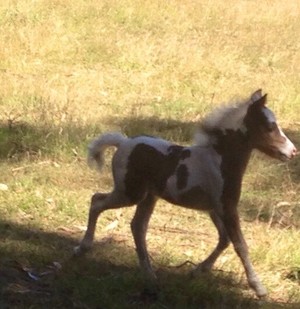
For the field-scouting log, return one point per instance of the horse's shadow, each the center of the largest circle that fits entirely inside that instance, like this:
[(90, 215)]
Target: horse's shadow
[(171, 129), (37, 269), (23, 138)]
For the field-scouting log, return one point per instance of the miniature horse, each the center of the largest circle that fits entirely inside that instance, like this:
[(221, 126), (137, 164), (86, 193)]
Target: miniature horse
[(205, 176)]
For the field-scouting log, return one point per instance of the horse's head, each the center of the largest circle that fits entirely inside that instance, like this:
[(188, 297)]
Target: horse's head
[(264, 133)]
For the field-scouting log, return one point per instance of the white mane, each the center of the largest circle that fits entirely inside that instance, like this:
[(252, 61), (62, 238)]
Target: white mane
[(228, 117)]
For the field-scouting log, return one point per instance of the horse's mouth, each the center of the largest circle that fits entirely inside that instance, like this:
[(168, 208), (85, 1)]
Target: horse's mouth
[(286, 157), (283, 157)]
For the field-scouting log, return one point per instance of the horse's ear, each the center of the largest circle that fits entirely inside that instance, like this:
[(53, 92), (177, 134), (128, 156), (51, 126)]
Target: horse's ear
[(258, 99), (260, 102), (256, 95)]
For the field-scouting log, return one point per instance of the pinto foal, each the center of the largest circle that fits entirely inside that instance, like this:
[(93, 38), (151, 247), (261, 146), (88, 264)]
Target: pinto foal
[(206, 176)]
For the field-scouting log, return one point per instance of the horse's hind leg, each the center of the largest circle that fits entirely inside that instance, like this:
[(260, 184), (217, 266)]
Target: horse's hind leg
[(139, 225), (223, 243), (99, 203)]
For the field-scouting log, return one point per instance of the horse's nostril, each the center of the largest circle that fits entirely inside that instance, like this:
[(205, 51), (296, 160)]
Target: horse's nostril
[(295, 152)]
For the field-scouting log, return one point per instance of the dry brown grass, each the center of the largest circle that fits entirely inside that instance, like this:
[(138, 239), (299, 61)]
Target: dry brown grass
[(101, 58), (71, 70)]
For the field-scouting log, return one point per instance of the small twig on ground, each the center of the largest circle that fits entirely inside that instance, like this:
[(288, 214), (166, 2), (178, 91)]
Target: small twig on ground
[(183, 264), (16, 169), (177, 230)]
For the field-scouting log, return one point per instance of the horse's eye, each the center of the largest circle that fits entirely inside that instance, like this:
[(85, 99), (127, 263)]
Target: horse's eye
[(271, 126)]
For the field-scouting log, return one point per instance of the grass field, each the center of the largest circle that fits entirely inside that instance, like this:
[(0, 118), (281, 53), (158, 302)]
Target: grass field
[(70, 70)]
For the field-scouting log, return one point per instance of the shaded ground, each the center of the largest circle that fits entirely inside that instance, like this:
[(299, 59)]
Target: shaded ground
[(44, 274)]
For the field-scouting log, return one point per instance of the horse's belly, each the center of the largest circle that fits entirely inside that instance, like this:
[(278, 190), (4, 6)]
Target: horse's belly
[(194, 197)]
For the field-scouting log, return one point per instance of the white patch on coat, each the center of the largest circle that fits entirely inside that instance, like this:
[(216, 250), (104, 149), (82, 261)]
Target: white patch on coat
[(201, 138), (287, 148)]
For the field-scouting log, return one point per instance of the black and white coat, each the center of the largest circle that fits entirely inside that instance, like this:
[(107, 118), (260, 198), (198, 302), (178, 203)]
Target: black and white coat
[(205, 176)]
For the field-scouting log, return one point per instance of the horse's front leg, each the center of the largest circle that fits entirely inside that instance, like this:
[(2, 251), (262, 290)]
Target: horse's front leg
[(223, 243), (232, 225)]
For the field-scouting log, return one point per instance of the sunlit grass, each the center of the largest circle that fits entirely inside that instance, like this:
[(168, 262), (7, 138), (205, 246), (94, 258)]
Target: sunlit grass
[(72, 70)]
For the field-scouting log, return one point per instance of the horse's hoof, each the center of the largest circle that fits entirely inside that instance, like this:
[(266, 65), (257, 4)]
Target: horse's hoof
[(199, 270), (152, 277), (195, 273), (80, 250), (77, 251), (261, 292), (258, 288)]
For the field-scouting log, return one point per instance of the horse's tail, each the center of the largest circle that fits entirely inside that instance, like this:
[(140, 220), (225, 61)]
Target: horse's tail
[(97, 147)]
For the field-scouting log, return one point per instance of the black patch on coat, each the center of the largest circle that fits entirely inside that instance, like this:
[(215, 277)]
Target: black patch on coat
[(148, 169), (182, 176), (179, 150), (196, 198), (235, 149)]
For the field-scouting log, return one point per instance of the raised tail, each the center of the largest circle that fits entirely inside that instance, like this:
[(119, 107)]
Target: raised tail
[(97, 147)]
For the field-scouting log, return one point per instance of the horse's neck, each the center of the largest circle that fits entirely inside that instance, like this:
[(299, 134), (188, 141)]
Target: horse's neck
[(235, 152), (235, 161)]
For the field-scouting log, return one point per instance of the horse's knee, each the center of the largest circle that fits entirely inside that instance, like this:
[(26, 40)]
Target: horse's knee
[(98, 197), (96, 203), (223, 243)]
